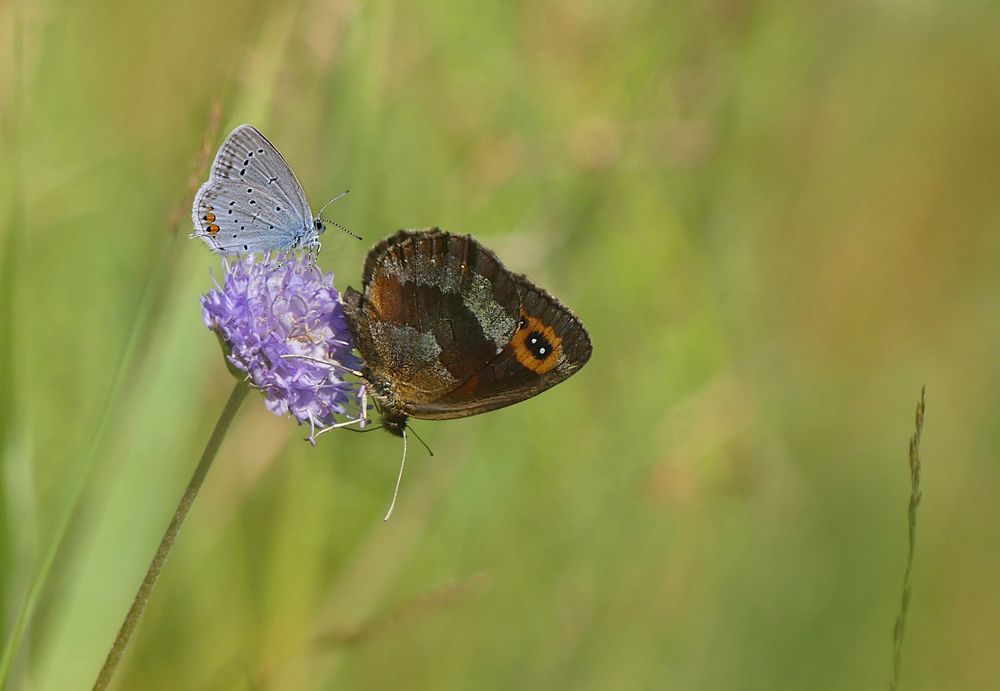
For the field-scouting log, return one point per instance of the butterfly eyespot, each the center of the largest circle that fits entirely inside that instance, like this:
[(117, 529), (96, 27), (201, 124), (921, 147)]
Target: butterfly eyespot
[(260, 151), (249, 190), (538, 346), (212, 229), (277, 208), (209, 217), (243, 172)]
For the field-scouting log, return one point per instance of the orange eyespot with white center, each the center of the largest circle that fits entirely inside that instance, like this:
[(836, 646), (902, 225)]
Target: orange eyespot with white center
[(535, 345)]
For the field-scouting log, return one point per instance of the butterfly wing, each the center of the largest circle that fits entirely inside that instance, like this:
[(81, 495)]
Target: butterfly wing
[(448, 328), (550, 344), (436, 308), (252, 200)]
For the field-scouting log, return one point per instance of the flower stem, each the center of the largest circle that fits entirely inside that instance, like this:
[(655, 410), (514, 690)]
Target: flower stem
[(166, 544)]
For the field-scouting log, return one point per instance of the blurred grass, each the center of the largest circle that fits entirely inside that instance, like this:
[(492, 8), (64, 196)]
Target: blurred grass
[(776, 220)]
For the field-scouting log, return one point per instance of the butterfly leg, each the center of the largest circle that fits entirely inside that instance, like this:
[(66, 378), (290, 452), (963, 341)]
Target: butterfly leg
[(312, 250), (280, 260), (337, 425), (321, 361)]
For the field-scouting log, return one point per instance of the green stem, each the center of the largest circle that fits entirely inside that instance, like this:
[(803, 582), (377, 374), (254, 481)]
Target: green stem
[(166, 544)]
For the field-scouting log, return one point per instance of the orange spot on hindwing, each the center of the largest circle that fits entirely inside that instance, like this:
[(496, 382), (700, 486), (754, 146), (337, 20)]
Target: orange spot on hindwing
[(212, 229), (535, 345)]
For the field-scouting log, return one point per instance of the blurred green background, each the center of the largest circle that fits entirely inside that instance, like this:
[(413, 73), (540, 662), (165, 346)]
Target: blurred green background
[(778, 221)]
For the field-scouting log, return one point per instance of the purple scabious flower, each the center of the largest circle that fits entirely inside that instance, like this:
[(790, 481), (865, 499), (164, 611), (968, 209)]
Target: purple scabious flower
[(279, 306)]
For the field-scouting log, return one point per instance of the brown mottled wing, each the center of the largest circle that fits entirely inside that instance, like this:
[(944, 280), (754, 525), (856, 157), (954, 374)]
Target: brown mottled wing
[(516, 373), (435, 309), (449, 327)]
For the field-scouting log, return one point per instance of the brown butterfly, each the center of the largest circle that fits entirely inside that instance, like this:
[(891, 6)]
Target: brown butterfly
[(446, 331)]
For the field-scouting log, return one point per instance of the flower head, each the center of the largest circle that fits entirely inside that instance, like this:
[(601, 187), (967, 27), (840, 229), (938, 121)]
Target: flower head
[(270, 309)]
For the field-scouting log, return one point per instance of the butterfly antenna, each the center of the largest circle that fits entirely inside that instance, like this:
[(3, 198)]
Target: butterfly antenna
[(420, 440), (334, 223), (332, 201), (399, 479), (349, 232)]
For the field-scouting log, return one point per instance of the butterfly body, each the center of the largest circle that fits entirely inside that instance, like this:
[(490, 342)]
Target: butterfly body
[(252, 201), (446, 331)]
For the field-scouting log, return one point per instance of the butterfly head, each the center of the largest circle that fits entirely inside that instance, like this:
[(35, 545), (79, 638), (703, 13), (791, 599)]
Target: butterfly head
[(394, 422), (384, 394)]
